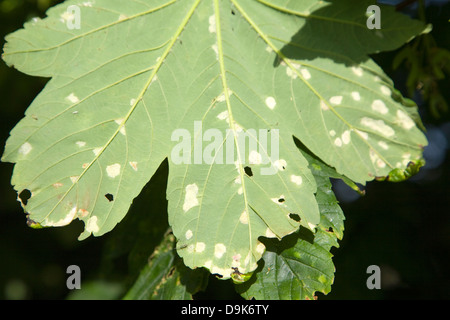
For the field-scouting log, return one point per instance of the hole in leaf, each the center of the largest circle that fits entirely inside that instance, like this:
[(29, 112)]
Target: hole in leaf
[(248, 171), (109, 196), (232, 12), (281, 200), (24, 196), (294, 217)]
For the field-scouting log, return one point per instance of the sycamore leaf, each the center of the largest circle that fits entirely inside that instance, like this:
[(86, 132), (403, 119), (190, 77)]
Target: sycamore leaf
[(220, 88)]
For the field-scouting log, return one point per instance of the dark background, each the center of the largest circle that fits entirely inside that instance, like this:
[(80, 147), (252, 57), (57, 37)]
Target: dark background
[(403, 228)]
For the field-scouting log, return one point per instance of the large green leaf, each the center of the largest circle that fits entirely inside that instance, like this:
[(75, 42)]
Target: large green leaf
[(139, 79)]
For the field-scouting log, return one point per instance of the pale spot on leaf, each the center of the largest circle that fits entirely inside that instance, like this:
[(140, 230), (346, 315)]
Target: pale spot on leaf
[(113, 170), (269, 233), (378, 125), (336, 100), (280, 164), (362, 134), (244, 217), (212, 24), (404, 120), (296, 179), (305, 73), (200, 247), (25, 148), (323, 105), (385, 90), (383, 145), (219, 250), (73, 98), (379, 106), (81, 144), (260, 248), (92, 224), (190, 199), (134, 164), (254, 157), (356, 96), (97, 151), (346, 137), (271, 103), (122, 126), (358, 71)]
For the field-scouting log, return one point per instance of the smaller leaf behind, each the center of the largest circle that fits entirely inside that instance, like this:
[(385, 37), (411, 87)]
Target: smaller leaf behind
[(300, 265), (165, 277)]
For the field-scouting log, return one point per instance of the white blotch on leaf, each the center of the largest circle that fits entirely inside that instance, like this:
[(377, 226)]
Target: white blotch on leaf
[(338, 142), (64, 221), (277, 200), (188, 234), (200, 247), (383, 145), (134, 164), (332, 133), (260, 248), (122, 17), (323, 105), (212, 24), (97, 151), (356, 96), (271, 103), (378, 125), (190, 199), (269, 233), (346, 137), (216, 50), (73, 98), (254, 157), (379, 106), (362, 134), (385, 90), (280, 164), (25, 148), (66, 16), (219, 250), (404, 120), (358, 71), (122, 129), (244, 217), (296, 179), (223, 116), (291, 73), (305, 73), (81, 144), (376, 160), (92, 224), (337, 100), (113, 170)]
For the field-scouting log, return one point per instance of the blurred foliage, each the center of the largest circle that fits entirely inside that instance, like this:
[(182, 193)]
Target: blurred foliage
[(404, 228), (427, 64)]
